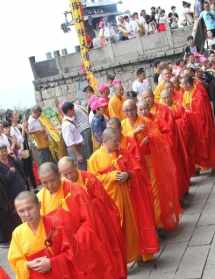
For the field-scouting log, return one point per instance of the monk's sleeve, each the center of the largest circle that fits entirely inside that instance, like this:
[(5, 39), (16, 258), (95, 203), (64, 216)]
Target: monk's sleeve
[(64, 261), (106, 177), (17, 259), (90, 255)]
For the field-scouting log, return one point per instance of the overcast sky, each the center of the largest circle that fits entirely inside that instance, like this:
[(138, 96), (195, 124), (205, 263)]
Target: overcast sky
[(32, 28)]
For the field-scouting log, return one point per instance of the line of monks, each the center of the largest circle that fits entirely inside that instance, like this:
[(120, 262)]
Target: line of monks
[(92, 224)]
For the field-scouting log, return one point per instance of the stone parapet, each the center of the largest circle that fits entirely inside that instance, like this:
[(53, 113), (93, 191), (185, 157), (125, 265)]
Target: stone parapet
[(61, 76)]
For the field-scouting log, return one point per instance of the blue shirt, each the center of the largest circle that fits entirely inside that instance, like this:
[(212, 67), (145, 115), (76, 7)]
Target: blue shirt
[(98, 126), (209, 19)]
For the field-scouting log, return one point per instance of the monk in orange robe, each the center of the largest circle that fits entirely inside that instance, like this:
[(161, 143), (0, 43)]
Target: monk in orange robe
[(165, 201), (163, 116), (197, 104), (116, 102), (62, 193), (3, 274), (108, 219), (165, 76), (117, 181), (39, 248)]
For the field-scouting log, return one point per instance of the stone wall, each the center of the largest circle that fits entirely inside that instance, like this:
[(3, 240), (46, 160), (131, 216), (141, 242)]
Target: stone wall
[(60, 77)]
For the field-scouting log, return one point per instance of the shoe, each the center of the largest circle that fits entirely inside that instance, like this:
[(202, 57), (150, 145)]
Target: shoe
[(162, 234)]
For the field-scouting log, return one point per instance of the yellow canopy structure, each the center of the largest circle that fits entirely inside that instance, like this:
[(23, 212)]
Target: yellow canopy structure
[(78, 15)]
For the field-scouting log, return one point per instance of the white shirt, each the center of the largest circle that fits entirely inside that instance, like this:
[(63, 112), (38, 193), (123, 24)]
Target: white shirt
[(70, 132), (163, 20), (4, 141), (133, 27), (140, 87), (91, 115), (15, 132), (34, 124), (209, 43), (81, 118)]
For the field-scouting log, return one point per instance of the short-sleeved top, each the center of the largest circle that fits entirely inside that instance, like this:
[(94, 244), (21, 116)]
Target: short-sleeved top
[(34, 124), (209, 19), (4, 140), (133, 27), (39, 135), (70, 132), (98, 126), (140, 87), (81, 118), (15, 132)]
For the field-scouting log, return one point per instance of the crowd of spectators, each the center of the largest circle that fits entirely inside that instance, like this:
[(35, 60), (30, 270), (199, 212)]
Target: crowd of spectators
[(143, 23)]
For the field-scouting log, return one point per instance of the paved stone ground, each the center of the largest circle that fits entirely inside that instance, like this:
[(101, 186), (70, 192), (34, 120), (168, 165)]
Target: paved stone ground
[(189, 252)]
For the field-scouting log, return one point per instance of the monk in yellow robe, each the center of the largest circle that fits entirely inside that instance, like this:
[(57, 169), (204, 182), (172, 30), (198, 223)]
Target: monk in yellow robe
[(39, 248), (165, 205), (116, 182), (164, 76), (116, 102), (62, 193)]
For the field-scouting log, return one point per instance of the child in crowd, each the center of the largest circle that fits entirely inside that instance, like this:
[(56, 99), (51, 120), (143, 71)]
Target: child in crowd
[(98, 124)]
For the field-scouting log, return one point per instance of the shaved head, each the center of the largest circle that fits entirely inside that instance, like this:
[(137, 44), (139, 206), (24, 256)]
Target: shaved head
[(109, 134), (142, 104), (67, 161), (114, 123), (129, 104), (148, 97), (143, 108), (68, 169), (147, 92), (28, 208), (27, 195), (130, 109), (50, 177), (166, 97), (165, 93), (48, 167)]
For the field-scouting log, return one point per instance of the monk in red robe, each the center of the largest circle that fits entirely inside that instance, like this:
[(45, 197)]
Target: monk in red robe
[(3, 274), (40, 248), (108, 219), (62, 193), (197, 104)]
